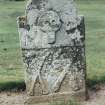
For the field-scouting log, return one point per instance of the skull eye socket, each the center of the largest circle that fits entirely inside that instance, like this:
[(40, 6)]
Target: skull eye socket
[(53, 21), (46, 22), (68, 24)]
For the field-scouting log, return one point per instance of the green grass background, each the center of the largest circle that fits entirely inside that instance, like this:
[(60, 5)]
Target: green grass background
[(11, 66)]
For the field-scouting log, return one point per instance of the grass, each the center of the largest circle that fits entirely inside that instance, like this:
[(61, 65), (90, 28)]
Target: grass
[(11, 68), (12, 86), (93, 10)]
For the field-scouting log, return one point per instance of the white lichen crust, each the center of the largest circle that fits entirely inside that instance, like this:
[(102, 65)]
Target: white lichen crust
[(52, 39)]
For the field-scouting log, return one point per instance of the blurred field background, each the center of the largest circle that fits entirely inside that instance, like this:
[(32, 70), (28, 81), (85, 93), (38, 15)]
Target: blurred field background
[(11, 66)]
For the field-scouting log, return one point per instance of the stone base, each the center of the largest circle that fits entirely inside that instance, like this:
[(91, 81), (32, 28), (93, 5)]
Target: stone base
[(57, 97)]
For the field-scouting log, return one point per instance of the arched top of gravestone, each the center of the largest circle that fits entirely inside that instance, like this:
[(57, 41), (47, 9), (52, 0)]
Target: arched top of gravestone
[(52, 23), (67, 6)]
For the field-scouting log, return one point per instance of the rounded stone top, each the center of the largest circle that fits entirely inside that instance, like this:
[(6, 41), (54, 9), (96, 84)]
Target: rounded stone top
[(67, 6), (52, 23), (66, 10)]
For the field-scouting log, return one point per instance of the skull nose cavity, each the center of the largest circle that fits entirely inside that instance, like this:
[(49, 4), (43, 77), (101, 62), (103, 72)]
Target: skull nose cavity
[(53, 21), (46, 22)]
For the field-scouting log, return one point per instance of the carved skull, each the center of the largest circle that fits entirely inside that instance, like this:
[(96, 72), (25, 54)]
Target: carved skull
[(49, 23)]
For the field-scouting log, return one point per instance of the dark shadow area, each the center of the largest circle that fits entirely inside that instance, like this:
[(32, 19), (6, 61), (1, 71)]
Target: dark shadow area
[(91, 83), (13, 86), (20, 85)]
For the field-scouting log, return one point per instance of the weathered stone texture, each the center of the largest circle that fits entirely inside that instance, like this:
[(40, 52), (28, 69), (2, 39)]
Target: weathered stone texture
[(48, 68), (52, 39)]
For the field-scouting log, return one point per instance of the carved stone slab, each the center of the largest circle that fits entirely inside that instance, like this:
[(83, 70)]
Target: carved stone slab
[(52, 39)]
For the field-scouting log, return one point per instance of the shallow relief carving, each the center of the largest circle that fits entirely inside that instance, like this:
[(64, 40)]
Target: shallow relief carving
[(47, 27), (52, 39), (49, 68)]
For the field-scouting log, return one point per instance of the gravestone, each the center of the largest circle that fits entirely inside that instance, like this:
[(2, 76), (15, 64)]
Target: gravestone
[(52, 37)]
